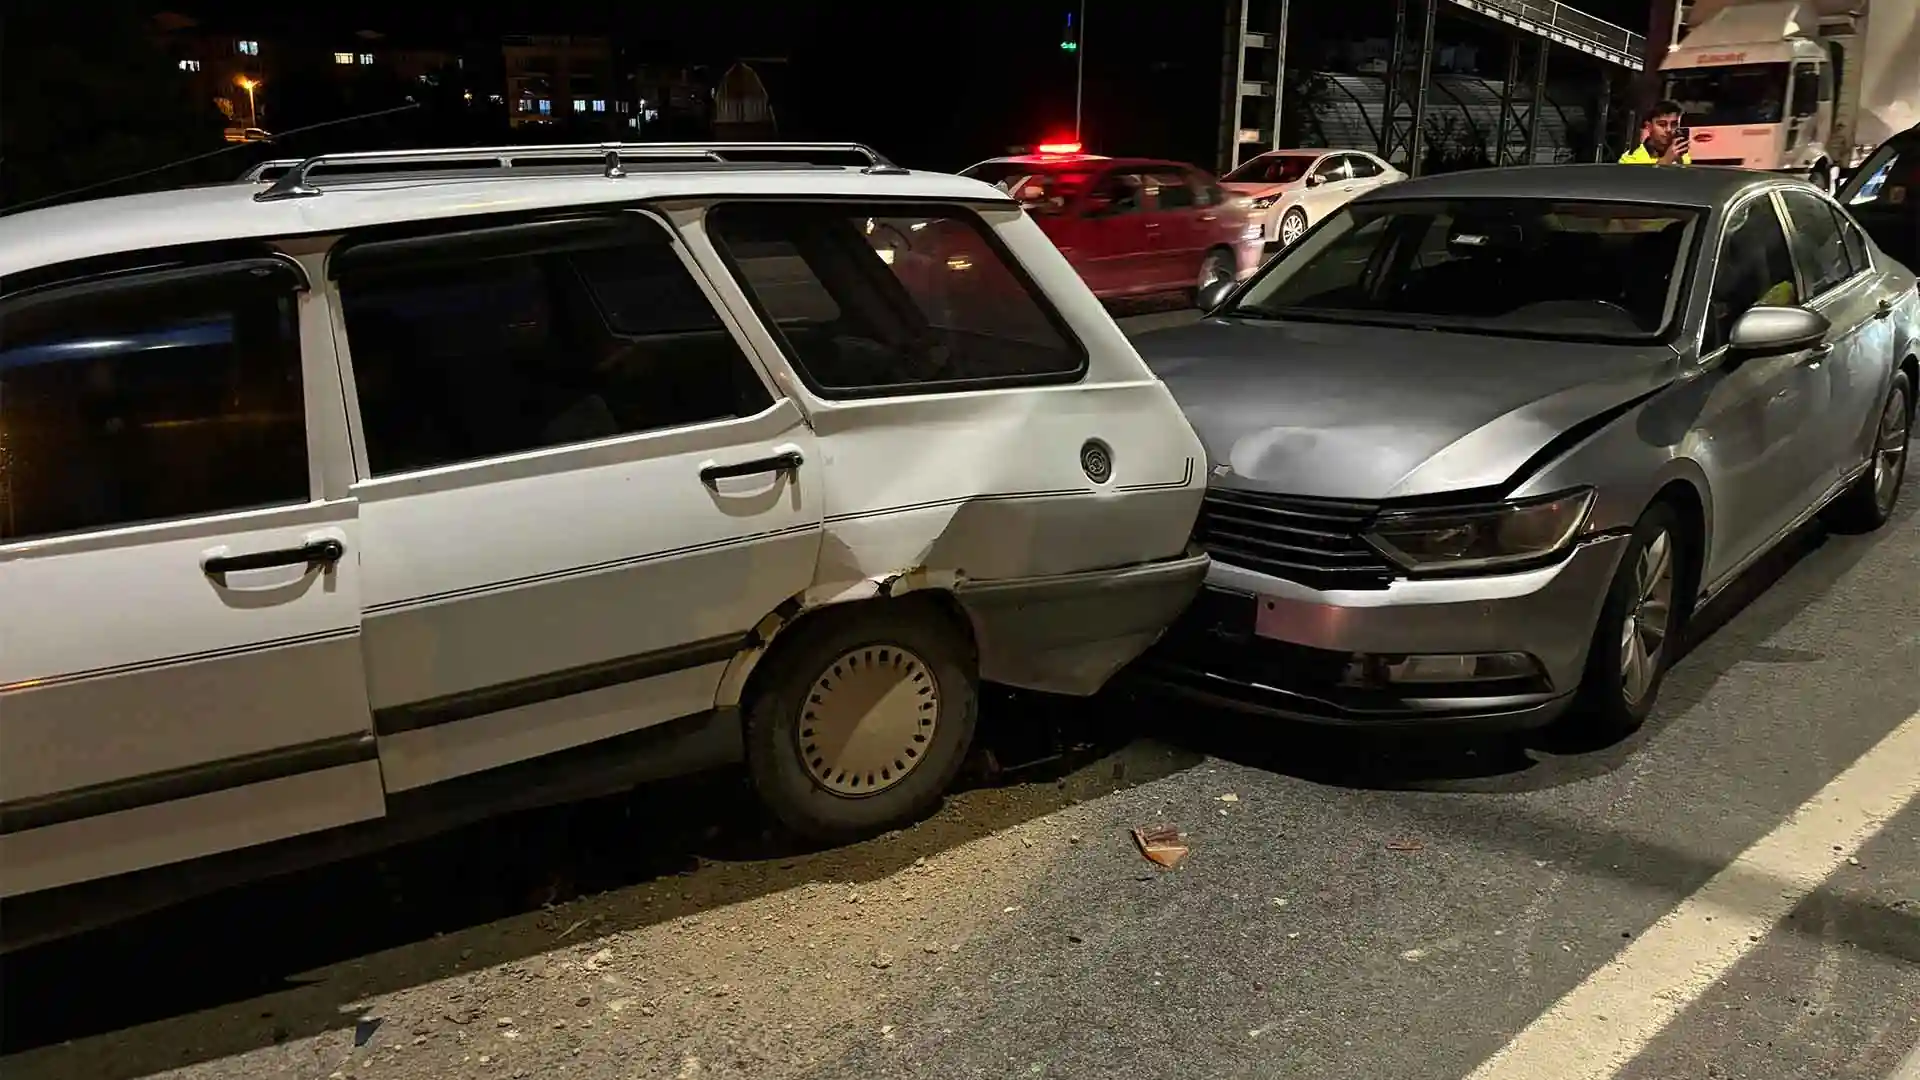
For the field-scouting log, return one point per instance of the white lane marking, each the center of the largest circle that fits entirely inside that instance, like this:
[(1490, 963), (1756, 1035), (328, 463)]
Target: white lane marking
[(1604, 1023)]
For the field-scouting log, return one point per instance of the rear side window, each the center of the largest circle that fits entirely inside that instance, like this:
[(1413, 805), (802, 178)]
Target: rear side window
[(150, 398), (1818, 246), (503, 343), (876, 300)]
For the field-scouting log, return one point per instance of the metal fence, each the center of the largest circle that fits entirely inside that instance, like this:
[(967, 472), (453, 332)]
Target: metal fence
[(1568, 26)]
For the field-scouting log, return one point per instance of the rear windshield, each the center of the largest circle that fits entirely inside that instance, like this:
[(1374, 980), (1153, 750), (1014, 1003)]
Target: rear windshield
[(1525, 267)]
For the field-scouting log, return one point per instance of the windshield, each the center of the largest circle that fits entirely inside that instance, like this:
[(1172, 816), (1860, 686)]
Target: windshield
[(1529, 267), (996, 172), (1272, 169), (1726, 96)]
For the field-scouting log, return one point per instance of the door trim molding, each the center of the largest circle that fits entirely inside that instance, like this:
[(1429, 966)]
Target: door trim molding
[(137, 792), (226, 653), (481, 701)]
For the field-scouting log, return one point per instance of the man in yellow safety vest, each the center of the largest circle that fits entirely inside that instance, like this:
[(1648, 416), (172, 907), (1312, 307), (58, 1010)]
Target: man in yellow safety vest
[(1662, 140)]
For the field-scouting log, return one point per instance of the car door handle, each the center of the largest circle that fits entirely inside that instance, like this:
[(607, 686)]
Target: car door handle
[(789, 461), (1817, 354), (317, 553)]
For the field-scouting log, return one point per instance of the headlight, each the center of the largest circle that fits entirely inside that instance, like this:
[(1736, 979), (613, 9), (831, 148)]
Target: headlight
[(1484, 537), (1265, 202)]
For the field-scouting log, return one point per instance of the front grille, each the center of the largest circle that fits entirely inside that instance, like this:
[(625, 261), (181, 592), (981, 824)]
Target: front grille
[(1316, 542)]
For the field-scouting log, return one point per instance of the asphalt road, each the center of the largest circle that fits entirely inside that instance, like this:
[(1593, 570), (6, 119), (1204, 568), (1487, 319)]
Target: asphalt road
[(1351, 907)]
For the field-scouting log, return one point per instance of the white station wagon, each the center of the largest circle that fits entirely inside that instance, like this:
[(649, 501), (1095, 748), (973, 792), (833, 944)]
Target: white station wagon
[(380, 492)]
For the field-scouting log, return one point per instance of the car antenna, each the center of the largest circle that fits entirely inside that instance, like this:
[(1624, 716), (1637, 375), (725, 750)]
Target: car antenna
[(202, 157)]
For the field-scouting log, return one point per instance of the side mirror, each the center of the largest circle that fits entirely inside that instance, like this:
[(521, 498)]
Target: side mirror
[(1315, 179), (1771, 331), (1214, 293)]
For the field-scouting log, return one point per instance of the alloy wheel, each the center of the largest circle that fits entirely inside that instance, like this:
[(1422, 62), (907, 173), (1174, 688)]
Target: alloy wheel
[(1643, 634), (1890, 450), (1292, 228), (868, 719)]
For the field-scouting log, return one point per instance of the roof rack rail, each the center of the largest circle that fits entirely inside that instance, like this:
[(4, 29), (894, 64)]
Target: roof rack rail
[(292, 184)]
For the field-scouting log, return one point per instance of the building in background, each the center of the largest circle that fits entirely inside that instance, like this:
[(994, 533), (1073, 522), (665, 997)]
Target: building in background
[(225, 66), (742, 108), (564, 84)]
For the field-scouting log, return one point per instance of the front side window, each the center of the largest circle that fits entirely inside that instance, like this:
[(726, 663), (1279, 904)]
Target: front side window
[(1529, 267), (874, 300), (1755, 267), (483, 349), (1172, 191), (1818, 246), (1332, 169), (1118, 193), (151, 398), (1806, 90)]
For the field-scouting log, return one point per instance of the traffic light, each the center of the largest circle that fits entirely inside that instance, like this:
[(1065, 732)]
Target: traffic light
[(1070, 36)]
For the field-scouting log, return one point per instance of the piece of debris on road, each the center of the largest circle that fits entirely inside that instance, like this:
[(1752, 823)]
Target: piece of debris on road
[(1405, 845), (1162, 844)]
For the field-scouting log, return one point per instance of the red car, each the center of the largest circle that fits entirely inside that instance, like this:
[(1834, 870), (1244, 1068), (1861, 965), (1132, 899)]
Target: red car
[(1131, 226)]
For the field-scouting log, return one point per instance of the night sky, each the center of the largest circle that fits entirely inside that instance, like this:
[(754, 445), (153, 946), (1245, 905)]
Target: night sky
[(933, 83)]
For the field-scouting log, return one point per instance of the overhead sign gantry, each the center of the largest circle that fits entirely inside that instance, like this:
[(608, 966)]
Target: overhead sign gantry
[(1254, 83)]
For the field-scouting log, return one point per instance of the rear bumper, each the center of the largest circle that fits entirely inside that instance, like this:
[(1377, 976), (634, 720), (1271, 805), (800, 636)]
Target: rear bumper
[(1068, 634)]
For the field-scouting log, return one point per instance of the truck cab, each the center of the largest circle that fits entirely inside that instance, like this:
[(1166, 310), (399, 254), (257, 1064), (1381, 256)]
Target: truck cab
[(1758, 92)]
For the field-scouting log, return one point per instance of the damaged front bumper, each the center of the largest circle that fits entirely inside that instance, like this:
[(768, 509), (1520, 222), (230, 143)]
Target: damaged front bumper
[(1069, 633)]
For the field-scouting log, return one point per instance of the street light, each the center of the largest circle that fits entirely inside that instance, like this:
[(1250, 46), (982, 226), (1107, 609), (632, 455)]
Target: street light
[(1070, 40), (253, 114)]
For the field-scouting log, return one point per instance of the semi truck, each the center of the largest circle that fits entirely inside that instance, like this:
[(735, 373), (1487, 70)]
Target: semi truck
[(1803, 86)]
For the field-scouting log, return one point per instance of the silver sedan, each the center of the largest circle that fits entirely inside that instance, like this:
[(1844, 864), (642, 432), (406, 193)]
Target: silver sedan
[(1481, 444)]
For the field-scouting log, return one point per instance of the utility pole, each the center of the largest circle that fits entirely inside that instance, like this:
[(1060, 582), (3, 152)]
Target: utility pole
[(1076, 34)]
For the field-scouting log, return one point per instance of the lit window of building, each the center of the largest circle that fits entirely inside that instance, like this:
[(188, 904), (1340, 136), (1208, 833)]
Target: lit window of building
[(343, 58), (599, 105), (546, 107), (189, 65), (248, 48), (366, 58), (579, 104)]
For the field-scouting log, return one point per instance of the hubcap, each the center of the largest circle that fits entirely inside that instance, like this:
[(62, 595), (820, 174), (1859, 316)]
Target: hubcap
[(1643, 635), (1890, 450), (1291, 227), (868, 720)]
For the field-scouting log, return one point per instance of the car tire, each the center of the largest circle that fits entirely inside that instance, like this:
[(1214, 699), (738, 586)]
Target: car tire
[(1293, 225), (1218, 265), (860, 717), (1869, 503), (1644, 616)]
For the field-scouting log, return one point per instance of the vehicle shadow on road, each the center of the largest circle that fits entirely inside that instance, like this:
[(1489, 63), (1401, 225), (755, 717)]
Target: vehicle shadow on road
[(295, 957), (1729, 631)]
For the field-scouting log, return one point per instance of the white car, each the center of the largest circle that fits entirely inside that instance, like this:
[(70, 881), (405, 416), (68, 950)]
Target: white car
[(1292, 189), (353, 501)]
